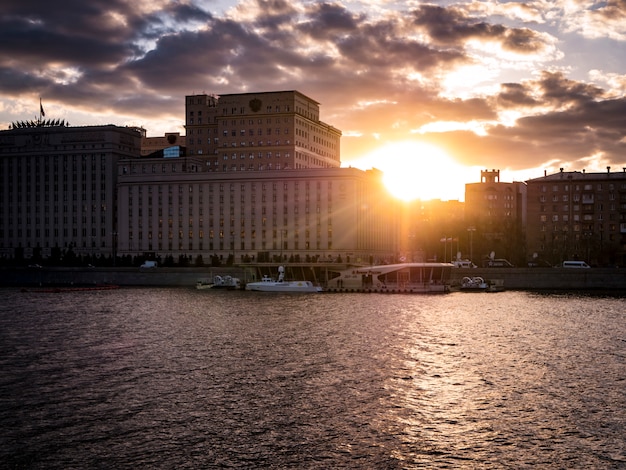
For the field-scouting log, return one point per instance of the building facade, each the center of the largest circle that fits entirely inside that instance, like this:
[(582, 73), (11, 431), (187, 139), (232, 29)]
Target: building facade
[(177, 207), (58, 189), (495, 215), (260, 131), (150, 145), (578, 216)]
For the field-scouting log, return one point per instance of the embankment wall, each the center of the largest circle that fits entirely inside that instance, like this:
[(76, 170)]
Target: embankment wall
[(512, 278)]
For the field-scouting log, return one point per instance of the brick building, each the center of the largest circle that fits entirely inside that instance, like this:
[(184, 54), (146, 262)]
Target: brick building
[(578, 216)]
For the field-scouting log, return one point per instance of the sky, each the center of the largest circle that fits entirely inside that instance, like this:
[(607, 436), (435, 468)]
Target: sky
[(429, 93)]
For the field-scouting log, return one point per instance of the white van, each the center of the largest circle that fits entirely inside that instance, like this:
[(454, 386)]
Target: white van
[(148, 265), (575, 264)]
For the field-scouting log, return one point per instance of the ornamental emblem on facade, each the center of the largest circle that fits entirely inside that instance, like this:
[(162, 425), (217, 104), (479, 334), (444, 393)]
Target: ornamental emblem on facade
[(255, 104)]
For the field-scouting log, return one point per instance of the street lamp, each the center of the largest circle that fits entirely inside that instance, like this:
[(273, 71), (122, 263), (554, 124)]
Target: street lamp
[(114, 247), (471, 231), (445, 241), (281, 244)]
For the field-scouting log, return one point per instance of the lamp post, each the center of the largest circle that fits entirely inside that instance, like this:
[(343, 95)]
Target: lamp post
[(281, 244), (114, 247), (471, 231), (445, 248), (587, 237)]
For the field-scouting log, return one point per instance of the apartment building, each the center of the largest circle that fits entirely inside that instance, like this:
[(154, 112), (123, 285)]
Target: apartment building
[(260, 131), (177, 206), (578, 216), (495, 215), (58, 188)]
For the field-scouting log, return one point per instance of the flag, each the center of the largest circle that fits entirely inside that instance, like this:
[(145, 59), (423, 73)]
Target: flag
[(41, 111)]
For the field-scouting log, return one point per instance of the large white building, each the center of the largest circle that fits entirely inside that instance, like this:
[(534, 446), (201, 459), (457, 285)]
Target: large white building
[(58, 188), (174, 206), (260, 180)]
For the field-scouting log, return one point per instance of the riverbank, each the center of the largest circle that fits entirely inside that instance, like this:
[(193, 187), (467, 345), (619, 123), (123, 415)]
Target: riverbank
[(510, 278)]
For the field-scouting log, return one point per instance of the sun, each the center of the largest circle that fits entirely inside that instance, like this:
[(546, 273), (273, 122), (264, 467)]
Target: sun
[(417, 170)]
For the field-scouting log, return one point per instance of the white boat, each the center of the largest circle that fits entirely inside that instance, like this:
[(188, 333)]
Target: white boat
[(268, 284), (474, 284), (219, 282), (391, 278)]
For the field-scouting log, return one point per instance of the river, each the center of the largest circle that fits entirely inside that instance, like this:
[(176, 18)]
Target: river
[(178, 378)]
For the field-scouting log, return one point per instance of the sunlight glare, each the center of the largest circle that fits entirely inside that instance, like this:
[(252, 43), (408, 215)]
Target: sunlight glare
[(417, 170)]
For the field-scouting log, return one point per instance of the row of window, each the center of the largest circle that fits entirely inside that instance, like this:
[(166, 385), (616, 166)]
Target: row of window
[(260, 143), (243, 235), (584, 187), (244, 212), (580, 229), (252, 246), (251, 156), (576, 217), (222, 187), (47, 199), (585, 198), (612, 207), (55, 232)]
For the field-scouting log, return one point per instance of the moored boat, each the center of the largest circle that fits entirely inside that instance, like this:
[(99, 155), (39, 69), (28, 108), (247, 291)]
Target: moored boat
[(268, 284), (474, 284), (479, 284), (394, 278), (219, 282)]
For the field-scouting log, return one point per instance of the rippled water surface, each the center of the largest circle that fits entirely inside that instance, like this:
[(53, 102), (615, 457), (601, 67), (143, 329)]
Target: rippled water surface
[(179, 378)]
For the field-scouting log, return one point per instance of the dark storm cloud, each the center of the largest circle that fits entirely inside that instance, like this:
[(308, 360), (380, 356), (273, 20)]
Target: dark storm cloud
[(14, 81), (584, 114), (327, 19), (581, 124), (34, 42), (452, 27), (274, 13), (80, 54), (612, 9), (113, 55), (448, 25), (514, 95), (558, 90), (383, 45), (552, 89)]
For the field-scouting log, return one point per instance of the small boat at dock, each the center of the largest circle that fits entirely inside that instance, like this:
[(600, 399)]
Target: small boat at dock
[(479, 284), (219, 282), (268, 284), (474, 284)]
